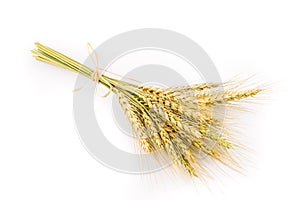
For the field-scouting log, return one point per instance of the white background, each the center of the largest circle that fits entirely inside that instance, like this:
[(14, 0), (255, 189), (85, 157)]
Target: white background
[(40, 153)]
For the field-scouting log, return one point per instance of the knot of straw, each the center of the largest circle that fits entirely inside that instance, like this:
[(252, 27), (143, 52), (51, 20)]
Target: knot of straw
[(96, 76)]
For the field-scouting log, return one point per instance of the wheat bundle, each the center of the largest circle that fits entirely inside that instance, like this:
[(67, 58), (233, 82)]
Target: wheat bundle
[(182, 121)]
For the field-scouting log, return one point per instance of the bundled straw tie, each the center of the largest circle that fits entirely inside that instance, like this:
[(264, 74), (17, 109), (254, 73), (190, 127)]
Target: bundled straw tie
[(185, 122)]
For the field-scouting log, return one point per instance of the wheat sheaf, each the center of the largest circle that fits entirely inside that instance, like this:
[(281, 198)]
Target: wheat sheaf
[(183, 122)]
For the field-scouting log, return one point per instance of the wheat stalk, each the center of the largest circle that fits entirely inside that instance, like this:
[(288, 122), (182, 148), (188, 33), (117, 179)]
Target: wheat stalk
[(181, 121)]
